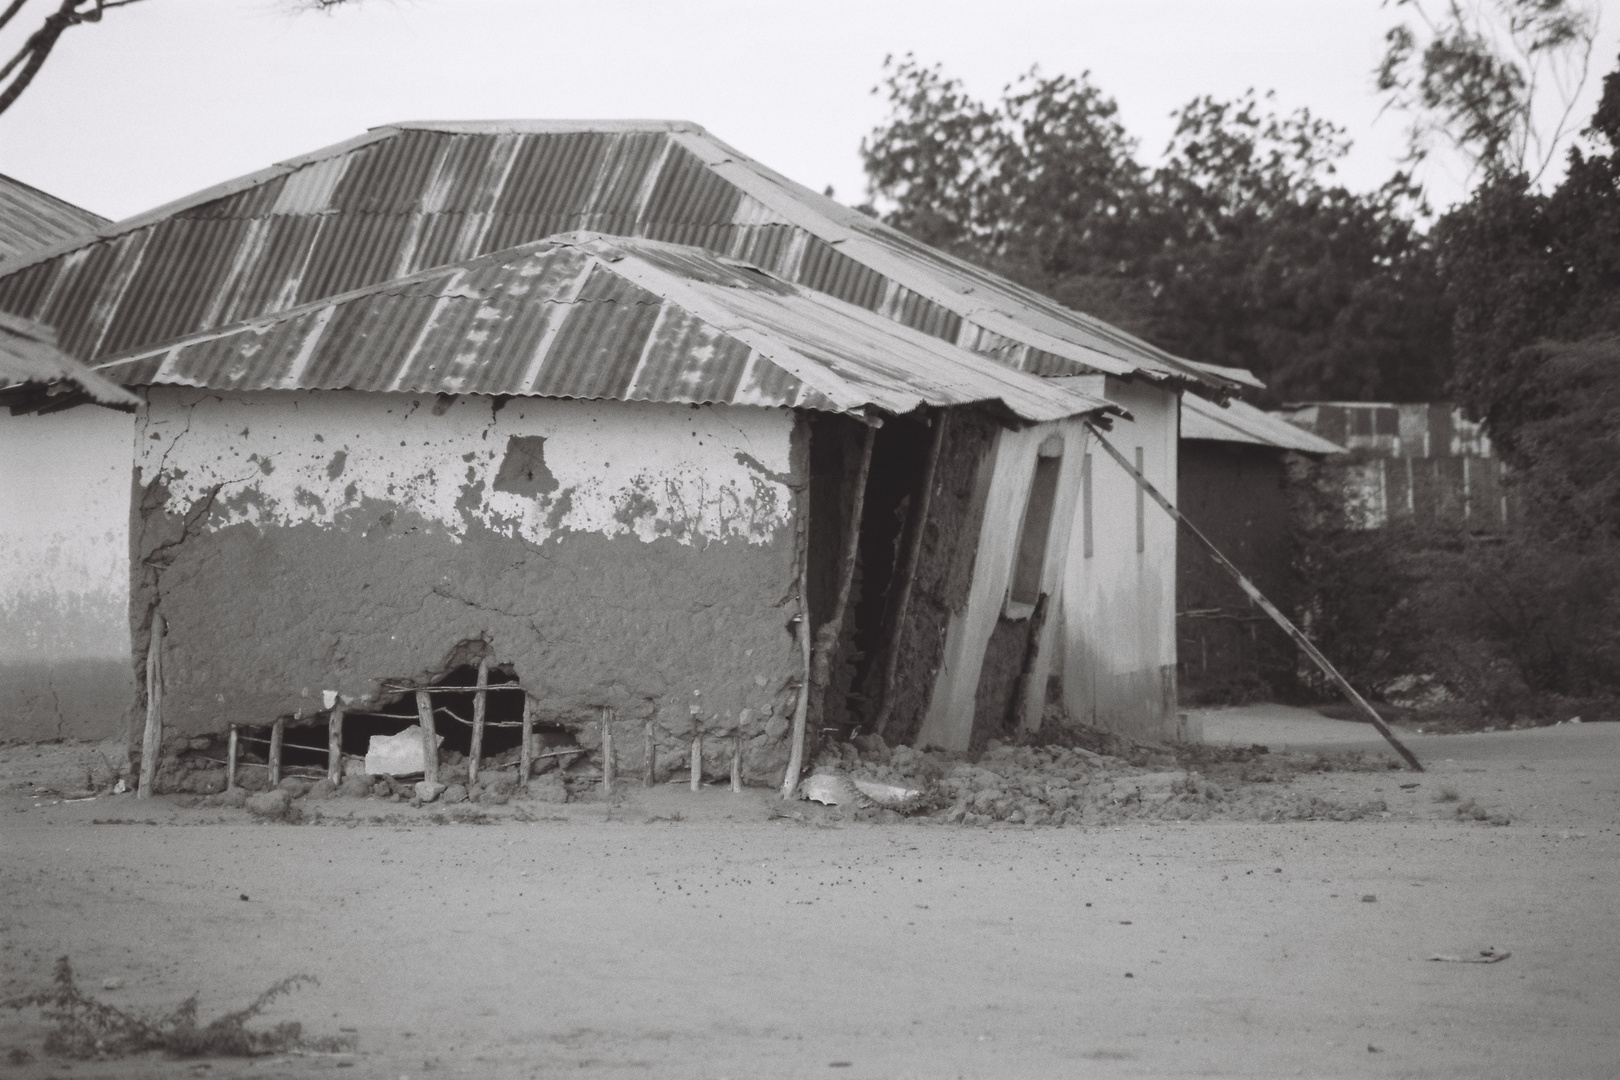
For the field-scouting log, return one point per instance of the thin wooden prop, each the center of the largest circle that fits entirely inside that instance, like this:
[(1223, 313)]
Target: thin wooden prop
[(801, 707), (736, 764), (1032, 654), (277, 730), (908, 573), (480, 705), (152, 738), (526, 754), (651, 760), (607, 751), (230, 760), (430, 738), (334, 746), (697, 758), (1265, 605)]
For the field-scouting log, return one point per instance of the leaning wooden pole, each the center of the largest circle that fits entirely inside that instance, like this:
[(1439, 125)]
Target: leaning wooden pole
[(908, 573), (526, 753), (1265, 605), (152, 739), (334, 746), (607, 751), (278, 732), (430, 737), (820, 666)]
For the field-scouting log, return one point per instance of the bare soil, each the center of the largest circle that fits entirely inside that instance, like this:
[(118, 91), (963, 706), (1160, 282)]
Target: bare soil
[(681, 934)]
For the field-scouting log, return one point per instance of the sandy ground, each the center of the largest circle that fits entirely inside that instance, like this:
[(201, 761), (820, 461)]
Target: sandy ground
[(696, 935)]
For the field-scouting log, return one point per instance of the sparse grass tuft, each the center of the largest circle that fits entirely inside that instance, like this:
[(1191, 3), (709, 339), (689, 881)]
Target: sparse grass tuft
[(87, 1028), (1447, 793)]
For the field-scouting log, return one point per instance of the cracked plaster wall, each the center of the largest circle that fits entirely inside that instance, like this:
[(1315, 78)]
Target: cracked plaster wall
[(64, 574), (634, 555)]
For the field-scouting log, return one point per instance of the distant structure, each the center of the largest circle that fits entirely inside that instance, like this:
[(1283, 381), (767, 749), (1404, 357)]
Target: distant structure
[(30, 219), (1424, 463)]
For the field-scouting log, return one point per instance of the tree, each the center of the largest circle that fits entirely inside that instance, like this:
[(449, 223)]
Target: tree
[(18, 73), (1494, 81), (1238, 249)]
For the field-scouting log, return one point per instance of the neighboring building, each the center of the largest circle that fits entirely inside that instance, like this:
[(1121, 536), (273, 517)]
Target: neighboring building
[(31, 220), (1234, 488), (252, 262), (1424, 463)]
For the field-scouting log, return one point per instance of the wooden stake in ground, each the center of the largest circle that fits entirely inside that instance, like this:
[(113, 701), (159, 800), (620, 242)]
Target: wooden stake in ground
[(430, 737), (1265, 605), (230, 760), (480, 706), (152, 739), (697, 755), (334, 746), (651, 761), (278, 731), (607, 751), (736, 764), (526, 753)]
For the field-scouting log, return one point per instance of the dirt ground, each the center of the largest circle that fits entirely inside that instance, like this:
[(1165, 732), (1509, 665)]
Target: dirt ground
[(681, 934)]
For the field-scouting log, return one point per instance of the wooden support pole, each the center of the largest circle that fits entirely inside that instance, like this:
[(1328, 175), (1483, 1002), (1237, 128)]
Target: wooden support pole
[(430, 738), (526, 753), (736, 764), (918, 526), (1265, 605), (651, 760), (697, 757), (277, 731), (152, 738), (607, 751), (230, 760), (801, 706), (334, 746), (480, 706)]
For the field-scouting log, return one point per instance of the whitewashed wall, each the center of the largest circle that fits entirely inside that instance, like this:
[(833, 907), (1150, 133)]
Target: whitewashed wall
[(65, 667)]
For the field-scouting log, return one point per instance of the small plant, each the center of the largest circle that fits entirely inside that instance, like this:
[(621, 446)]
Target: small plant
[(1447, 793), (87, 1028)]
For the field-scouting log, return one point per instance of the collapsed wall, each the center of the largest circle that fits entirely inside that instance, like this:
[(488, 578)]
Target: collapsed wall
[(313, 548)]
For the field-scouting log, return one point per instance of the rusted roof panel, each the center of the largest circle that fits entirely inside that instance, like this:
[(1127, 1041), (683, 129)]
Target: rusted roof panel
[(1241, 422), (30, 219), (587, 316), (35, 374), (413, 196)]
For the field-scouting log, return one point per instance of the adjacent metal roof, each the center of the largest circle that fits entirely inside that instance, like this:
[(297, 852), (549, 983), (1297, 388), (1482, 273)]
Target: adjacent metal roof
[(588, 316), (1241, 422), (35, 375), (31, 220), (409, 197)]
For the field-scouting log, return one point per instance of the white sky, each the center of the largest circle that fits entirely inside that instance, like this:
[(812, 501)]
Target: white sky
[(170, 96)]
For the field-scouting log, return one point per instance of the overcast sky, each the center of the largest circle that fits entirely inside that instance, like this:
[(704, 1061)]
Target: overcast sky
[(170, 96)]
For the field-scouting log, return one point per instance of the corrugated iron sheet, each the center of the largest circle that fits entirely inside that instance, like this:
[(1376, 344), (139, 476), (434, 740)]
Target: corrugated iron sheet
[(30, 219), (587, 316), (29, 357), (1243, 423), (413, 196)]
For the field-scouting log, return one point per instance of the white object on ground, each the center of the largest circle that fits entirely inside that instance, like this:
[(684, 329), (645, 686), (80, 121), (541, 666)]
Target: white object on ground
[(397, 755)]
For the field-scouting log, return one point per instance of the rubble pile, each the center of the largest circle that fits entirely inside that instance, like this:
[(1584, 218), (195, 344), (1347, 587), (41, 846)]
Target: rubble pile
[(1069, 785)]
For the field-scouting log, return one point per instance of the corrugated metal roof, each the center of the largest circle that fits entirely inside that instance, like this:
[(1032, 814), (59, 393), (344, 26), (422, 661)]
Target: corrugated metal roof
[(29, 359), (31, 220), (1243, 423), (412, 196), (589, 316)]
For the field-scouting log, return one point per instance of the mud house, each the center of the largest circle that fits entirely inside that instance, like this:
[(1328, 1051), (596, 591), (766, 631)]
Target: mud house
[(365, 460), (1234, 471)]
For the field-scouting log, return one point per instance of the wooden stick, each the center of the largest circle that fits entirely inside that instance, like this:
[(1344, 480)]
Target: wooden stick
[(152, 739), (230, 761), (801, 707), (480, 704), (277, 730), (651, 761), (526, 754), (1032, 654), (697, 759), (736, 764), (607, 751), (334, 746), (1265, 605), (430, 738), (908, 572)]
